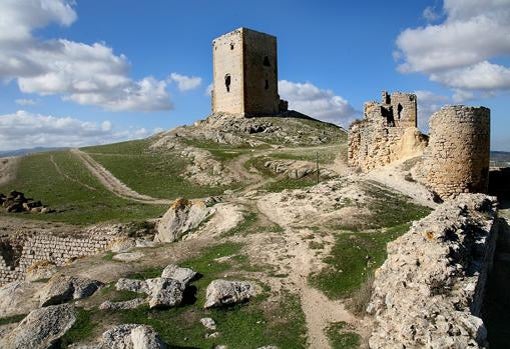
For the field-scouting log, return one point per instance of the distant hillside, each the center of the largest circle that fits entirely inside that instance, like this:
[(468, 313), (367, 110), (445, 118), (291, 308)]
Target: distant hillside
[(500, 158), (21, 152)]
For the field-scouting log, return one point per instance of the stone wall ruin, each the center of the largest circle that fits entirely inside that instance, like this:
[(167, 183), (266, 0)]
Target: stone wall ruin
[(387, 132)]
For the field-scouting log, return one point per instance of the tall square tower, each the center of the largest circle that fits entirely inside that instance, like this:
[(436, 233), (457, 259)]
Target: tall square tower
[(245, 74)]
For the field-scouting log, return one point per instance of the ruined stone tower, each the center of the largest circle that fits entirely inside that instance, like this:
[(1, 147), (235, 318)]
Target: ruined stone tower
[(457, 158), (245, 74), (387, 132)]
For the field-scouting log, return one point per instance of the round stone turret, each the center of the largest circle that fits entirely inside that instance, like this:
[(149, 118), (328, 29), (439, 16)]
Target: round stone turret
[(457, 157)]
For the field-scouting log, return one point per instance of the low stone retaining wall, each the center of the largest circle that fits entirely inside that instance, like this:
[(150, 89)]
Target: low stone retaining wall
[(430, 290), (20, 251)]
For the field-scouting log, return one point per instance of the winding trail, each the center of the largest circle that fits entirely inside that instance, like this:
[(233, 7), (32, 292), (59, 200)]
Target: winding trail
[(65, 175), (112, 183)]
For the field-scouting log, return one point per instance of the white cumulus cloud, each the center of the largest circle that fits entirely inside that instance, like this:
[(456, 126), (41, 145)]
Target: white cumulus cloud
[(89, 74), (318, 103), (27, 130), (185, 83), (460, 51)]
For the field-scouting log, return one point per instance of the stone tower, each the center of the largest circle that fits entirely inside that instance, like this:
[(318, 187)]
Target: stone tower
[(457, 158), (245, 74)]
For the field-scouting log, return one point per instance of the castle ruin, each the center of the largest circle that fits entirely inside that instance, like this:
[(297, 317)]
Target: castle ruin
[(455, 156), (387, 132), (245, 74)]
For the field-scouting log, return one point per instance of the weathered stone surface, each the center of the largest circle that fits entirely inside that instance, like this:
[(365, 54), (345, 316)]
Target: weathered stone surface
[(208, 323), (41, 328), (132, 285), (184, 275), (41, 270), (429, 292), (183, 216), (61, 289), (131, 336), (131, 304), (128, 256), (165, 293), (223, 292), (18, 297)]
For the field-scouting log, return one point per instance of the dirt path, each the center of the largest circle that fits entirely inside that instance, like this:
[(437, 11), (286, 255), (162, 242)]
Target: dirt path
[(60, 172), (8, 168), (113, 184)]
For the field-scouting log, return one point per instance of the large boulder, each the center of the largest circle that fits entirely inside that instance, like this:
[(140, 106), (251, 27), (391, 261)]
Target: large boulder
[(182, 217), (18, 297), (41, 328), (124, 305), (61, 289), (222, 293), (165, 293), (132, 336), (184, 275), (133, 285)]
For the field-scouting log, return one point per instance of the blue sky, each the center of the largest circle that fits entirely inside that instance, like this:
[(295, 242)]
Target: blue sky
[(84, 72)]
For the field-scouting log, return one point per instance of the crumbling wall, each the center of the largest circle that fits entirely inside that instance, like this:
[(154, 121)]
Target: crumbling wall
[(37, 247), (387, 132), (429, 292), (457, 158)]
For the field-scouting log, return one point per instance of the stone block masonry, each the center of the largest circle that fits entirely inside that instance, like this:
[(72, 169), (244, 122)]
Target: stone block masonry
[(22, 250), (457, 158)]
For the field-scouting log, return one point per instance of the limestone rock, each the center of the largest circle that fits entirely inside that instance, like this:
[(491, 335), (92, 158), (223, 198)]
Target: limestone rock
[(41, 328), (208, 323), (133, 285), (61, 289), (131, 336), (223, 292), (18, 297), (128, 256), (41, 270), (183, 216), (165, 293), (429, 292), (131, 304), (184, 275)]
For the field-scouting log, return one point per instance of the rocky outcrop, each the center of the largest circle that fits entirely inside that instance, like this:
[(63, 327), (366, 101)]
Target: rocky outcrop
[(18, 297), (183, 275), (294, 169), (429, 292), (165, 293), (61, 289), (124, 305), (223, 293), (41, 328), (183, 216)]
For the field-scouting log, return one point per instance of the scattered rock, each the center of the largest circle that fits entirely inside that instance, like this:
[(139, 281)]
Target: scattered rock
[(131, 336), (183, 216), (131, 304), (17, 202), (128, 256), (223, 292), (61, 289), (212, 335), (184, 275), (133, 285), (165, 293), (122, 244), (208, 323), (41, 328)]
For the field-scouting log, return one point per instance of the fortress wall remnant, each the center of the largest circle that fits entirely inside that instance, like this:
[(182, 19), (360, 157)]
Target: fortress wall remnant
[(457, 158), (387, 132), (245, 74), (19, 252)]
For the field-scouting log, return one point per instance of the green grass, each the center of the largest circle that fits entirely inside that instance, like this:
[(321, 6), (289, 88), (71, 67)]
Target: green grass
[(81, 330), (245, 227), (340, 338), (157, 174), (289, 183), (353, 259), (38, 178), (324, 155)]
